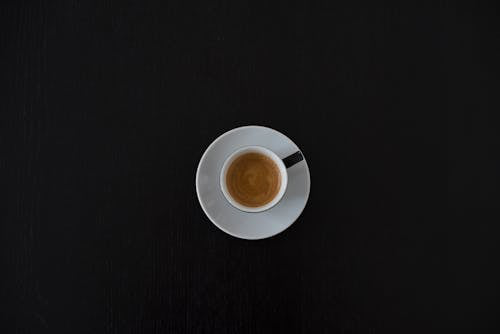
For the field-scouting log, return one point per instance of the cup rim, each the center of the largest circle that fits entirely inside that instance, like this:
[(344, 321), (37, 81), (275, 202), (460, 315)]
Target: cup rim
[(270, 154)]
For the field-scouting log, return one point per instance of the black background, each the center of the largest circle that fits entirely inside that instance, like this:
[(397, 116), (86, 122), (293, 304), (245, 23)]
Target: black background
[(107, 106)]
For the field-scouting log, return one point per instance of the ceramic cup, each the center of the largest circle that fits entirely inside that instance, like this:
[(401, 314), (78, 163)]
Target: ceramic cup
[(282, 164)]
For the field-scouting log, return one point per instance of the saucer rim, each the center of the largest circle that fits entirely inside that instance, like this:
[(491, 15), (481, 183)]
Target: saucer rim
[(214, 142)]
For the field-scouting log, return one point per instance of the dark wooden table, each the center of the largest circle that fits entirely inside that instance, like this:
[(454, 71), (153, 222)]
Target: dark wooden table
[(107, 106)]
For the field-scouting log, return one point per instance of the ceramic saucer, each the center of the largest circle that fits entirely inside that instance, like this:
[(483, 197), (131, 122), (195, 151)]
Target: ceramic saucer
[(247, 225)]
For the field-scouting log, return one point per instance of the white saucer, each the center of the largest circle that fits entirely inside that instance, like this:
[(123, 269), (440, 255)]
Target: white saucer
[(243, 224)]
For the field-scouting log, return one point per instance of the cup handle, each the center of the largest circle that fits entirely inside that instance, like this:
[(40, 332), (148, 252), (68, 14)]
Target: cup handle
[(292, 159)]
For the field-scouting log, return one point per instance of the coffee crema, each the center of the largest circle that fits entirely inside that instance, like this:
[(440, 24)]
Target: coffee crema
[(253, 179)]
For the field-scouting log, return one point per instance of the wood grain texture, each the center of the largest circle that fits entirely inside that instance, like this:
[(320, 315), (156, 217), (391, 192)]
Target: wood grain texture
[(107, 106)]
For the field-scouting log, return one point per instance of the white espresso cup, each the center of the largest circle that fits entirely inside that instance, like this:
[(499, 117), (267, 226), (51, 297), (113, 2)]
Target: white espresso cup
[(282, 165)]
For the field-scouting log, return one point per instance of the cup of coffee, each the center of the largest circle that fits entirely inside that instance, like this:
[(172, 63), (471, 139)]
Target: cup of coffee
[(254, 178)]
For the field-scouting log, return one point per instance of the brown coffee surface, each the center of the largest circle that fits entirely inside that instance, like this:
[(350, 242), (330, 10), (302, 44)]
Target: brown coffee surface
[(253, 179)]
